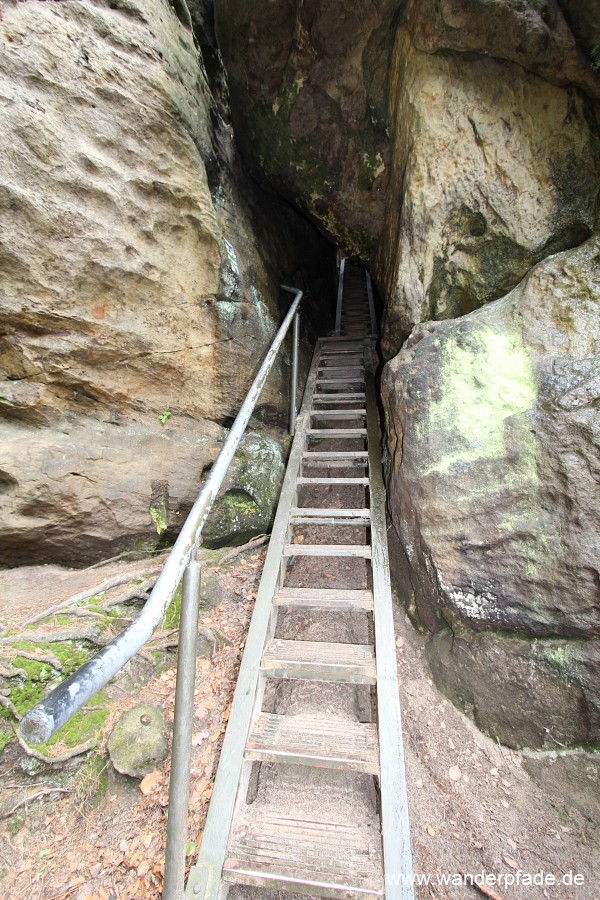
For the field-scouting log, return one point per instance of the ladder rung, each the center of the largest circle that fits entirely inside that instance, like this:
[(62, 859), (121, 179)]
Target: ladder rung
[(320, 661), (324, 741), (341, 368), (338, 413), (337, 432), (270, 849), (325, 598), (336, 454), (359, 550), (328, 520), (338, 398), (349, 480), (330, 513), (350, 379)]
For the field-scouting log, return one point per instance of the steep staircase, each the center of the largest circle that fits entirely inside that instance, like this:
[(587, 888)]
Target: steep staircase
[(310, 795)]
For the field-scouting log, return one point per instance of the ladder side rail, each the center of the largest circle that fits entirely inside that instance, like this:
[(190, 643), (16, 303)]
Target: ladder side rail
[(340, 294), (372, 313), (397, 853), (205, 876)]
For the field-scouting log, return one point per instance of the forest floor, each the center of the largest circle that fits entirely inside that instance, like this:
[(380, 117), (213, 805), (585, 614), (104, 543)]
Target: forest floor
[(475, 807)]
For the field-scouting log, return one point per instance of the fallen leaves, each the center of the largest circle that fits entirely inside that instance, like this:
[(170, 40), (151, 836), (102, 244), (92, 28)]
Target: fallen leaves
[(151, 782)]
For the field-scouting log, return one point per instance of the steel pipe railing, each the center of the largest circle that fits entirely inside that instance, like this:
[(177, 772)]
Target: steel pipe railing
[(44, 720)]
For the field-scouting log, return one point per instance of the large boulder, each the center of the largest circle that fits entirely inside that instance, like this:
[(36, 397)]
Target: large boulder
[(494, 168), (494, 436), (140, 284), (246, 503)]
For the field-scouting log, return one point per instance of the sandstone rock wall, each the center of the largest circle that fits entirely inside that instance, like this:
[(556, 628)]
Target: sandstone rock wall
[(494, 464), (494, 168), (309, 102), (138, 294)]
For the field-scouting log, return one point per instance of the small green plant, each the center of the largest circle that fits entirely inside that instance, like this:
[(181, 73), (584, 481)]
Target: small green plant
[(164, 417), (595, 57)]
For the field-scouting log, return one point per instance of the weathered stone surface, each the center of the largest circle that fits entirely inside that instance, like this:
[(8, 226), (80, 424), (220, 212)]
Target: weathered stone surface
[(577, 771), (536, 35), (453, 135), (139, 742), (493, 170), (309, 101), (249, 495), (525, 694), (494, 435), (134, 293)]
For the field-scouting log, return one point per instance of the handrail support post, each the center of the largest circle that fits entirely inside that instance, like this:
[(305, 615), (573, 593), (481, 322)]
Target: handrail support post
[(294, 373), (179, 787)]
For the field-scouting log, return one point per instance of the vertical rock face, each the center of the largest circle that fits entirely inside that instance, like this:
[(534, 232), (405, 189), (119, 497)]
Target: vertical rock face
[(494, 169), (309, 100), (137, 299), (494, 458)]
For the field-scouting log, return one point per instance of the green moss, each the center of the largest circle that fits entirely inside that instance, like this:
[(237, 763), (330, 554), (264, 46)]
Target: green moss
[(486, 380), (158, 514), (83, 726), (39, 679), (171, 619), (239, 505)]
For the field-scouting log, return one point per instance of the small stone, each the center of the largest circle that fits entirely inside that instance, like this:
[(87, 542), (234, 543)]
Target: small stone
[(454, 773), (139, 742)]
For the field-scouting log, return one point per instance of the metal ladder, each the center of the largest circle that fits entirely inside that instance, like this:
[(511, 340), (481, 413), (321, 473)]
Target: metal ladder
[(291, 808)]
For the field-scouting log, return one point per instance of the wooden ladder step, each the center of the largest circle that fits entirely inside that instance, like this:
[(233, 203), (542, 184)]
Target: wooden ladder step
[(330, 521), (325, 598), (271, 849), (362, 551), (339, 398), (349, 379), (336, 432), (360, 481), (338, 413), (336, 454), (331, 513), (320, 661), (324, 741)]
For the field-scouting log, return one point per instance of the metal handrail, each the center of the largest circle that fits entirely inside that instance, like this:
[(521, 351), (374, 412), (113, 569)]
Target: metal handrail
[(44, 720)]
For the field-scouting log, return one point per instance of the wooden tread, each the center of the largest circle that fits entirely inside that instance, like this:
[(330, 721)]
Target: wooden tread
[(325, 598), (274, 850), (324, 741), (320, 661), (358, 480), (336, 432), (360, 550), (361, 512)]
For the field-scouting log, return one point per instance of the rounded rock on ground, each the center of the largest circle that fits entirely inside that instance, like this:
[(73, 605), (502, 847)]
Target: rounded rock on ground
[(139, 741)]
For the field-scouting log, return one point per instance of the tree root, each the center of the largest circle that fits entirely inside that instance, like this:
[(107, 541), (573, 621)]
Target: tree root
[(101, 588), (61, 757), (7, 703), (251, 545), (49, 658), (56, 636), (35, 796), (132, 593)]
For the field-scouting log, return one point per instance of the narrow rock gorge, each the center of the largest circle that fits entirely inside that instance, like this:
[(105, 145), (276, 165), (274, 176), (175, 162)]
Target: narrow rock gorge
[(167, 166)]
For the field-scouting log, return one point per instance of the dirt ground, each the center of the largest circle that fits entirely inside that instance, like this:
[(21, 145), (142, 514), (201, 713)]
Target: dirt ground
[(475, 807)]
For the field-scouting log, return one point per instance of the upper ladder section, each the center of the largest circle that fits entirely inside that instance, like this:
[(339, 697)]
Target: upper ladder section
[(355, 310)]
